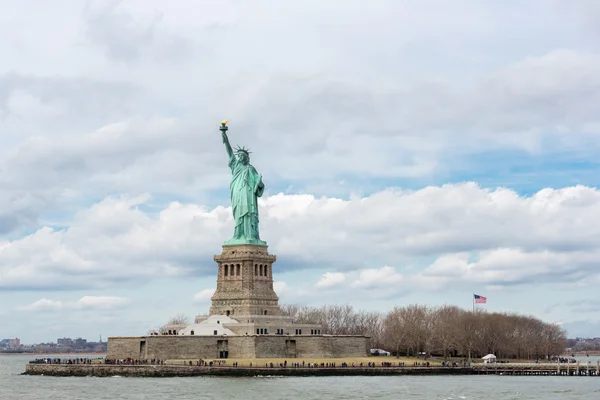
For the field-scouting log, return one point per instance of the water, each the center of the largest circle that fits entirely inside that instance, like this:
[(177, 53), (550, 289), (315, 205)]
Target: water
[(490, 387)]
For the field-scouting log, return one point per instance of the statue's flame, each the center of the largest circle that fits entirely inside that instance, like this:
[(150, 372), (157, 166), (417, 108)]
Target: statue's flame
[(224, 122)]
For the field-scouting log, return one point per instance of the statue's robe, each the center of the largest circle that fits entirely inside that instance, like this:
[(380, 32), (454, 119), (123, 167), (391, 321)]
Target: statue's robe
[(245, 188)]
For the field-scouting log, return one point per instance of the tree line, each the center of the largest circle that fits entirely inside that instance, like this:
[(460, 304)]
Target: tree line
[(441, 331)]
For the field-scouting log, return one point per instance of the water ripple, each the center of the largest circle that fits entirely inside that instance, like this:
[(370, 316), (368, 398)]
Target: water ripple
[(16, 386)]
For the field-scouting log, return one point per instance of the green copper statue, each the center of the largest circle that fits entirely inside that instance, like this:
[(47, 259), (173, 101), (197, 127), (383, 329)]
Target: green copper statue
[(246, 187)]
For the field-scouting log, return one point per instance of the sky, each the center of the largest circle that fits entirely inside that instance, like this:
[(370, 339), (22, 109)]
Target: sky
[(412, 152)]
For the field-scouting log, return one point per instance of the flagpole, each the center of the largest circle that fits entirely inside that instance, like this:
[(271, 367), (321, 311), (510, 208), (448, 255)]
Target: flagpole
[(473, 300)]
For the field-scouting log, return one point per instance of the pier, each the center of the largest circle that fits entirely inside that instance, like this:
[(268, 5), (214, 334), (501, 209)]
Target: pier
[(183, 370), (554, 369), (175, 370)]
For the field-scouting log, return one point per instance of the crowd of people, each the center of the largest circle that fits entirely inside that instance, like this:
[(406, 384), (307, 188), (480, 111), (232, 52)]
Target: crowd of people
[(131, 361), (304, 364), (57, 360), (563, 360), (224, 363), (454, 364)]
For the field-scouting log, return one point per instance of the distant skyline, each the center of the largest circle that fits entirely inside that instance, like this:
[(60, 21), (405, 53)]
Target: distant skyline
[(419, 152)]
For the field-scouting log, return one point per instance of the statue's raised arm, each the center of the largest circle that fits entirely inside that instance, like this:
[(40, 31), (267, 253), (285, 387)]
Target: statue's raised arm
[(226, 139)]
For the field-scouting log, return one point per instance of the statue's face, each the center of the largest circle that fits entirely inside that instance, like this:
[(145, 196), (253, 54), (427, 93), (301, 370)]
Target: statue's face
[(243, 157)]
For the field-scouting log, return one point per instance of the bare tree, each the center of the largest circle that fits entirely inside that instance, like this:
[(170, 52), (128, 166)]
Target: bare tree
[(445, 329), (302, 314), (290, 310), (417, 323), (179, 319), (339, 320), (370, 323), (469, 331), (553, 340), (395, 330)]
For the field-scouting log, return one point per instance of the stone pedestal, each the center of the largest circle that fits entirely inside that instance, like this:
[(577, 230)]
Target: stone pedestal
[(245, 282)]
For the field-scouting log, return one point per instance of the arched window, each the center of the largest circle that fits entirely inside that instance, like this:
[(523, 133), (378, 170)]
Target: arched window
[(267, 271), (237, 269), (260, 269), (226, 270), (265, 312), (231, 269), (255, 269)]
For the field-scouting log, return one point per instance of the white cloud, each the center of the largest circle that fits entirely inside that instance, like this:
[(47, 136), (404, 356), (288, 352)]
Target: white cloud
[(85, 303), (492, 237), (22, 104), (330, 279), (204, 295), (111, 164), (378, 277), (280, 287), (152, 67)]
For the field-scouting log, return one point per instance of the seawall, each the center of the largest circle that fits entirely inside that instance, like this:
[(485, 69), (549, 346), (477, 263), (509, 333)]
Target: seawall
[(107, 370)]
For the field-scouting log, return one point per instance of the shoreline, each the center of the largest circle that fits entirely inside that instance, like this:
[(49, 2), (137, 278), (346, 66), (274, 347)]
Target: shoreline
[(173, 370), (170, 371)]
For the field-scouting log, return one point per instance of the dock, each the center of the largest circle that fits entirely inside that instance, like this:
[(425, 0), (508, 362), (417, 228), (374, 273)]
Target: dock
[(107, 370), (545, 369), (183, 370)]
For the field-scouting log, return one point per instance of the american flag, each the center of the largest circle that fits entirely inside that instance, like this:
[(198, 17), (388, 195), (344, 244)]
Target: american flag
[(480, 299)]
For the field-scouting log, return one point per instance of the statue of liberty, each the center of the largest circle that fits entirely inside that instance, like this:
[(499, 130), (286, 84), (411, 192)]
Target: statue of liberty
[(246, 187)]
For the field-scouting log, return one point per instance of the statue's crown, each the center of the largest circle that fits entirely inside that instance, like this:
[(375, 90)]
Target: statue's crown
[(243, 150)]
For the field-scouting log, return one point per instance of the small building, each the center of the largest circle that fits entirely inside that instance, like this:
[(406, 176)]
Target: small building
[(10, 343), (489, 359), (64, 342)]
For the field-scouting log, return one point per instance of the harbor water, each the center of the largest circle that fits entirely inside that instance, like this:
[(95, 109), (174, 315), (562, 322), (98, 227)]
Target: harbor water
[(13, 385)]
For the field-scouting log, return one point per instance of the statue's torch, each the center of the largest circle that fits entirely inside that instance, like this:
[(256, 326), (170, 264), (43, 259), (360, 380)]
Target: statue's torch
[(223, 127)]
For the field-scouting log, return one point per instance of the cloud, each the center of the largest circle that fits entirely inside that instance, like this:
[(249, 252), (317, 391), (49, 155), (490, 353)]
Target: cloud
[(204, 295), (152, 67), (582, 328), (521, 108), (490, 237), (112, 242), (580, 306), (585, 306), (85, 303), (330, 279), (376, 277), (280, 287), (112, 171)]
